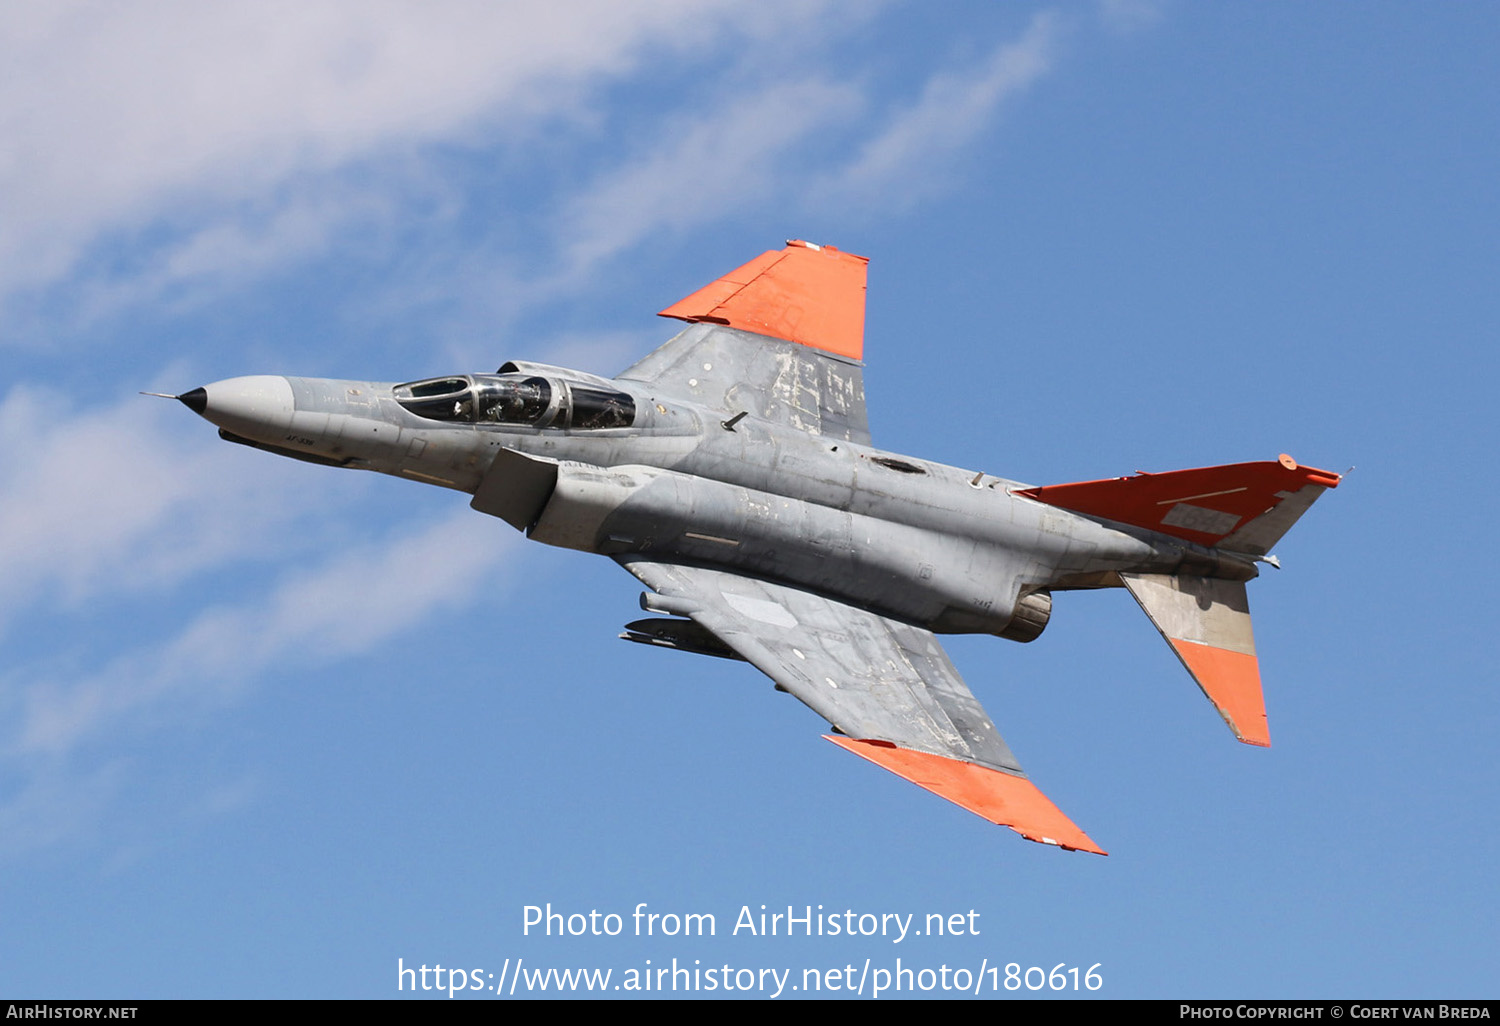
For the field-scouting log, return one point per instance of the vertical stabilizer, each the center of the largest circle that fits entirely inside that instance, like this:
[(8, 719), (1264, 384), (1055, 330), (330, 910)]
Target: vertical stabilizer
[(1207, 623), (810, 294)]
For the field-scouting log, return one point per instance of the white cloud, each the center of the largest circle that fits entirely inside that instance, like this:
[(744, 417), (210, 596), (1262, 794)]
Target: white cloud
[(358, 599), (125, 498), (171, 144), (1126, 16), (907, 159), (119, 501), (254, 239), (725, 159), (112, 115), (55, 803), (745, 150)]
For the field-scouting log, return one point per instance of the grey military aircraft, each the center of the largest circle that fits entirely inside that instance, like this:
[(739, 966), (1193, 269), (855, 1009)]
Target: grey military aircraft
[(732, 472)]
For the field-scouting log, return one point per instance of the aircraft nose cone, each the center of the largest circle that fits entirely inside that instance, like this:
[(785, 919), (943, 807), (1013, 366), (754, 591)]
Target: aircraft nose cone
[(251, 406)]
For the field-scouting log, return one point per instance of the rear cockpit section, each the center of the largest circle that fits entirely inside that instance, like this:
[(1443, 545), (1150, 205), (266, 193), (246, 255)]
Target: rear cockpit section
[(517, 399)]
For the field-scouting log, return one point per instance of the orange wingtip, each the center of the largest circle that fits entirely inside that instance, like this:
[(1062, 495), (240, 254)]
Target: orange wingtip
[(1231, 680), (1001, 798), (814, 295)]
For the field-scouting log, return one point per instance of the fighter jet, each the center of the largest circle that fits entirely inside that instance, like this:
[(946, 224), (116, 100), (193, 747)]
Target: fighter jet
[(732, 473)]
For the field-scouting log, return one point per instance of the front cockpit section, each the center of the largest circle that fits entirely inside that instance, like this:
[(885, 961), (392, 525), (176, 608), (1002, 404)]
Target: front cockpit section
[(517, 399)]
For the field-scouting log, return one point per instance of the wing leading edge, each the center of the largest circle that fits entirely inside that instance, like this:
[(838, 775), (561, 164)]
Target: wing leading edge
[(888, 687)]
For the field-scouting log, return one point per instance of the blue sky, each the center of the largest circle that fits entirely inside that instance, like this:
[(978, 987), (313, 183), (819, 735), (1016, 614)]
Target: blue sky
[(266, 728)]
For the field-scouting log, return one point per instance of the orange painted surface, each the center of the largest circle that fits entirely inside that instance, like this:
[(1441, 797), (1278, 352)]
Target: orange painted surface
[(999, 797), (1229, 496), (807, 294), (1232, 682)]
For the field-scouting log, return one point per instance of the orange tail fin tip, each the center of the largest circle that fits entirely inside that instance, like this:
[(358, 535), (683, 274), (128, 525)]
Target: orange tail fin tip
[(814, 295)]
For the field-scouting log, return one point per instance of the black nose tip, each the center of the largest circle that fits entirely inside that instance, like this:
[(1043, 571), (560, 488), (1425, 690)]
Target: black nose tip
[(196, 400)]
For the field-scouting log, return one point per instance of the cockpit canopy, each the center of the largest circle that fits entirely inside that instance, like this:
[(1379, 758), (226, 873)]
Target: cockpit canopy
[(517, 399)]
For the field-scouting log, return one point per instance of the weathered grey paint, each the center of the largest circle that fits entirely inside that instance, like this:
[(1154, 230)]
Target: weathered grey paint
[(1197, 609), (747, 495)]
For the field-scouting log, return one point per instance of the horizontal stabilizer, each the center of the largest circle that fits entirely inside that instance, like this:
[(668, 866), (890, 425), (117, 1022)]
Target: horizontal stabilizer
[(1001, 798), (1242, 507), (1207, 623), (810, 294)]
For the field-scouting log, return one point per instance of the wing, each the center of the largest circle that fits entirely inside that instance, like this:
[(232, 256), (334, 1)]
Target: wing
[(887, 687), (780, 338)]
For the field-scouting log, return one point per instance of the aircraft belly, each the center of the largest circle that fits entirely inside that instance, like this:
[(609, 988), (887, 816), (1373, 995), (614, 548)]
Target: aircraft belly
[(957, 559), (909, 572)]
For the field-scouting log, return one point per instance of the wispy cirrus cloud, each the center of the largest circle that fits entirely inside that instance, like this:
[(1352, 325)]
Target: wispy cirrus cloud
[(119, 500), (730, 157), (356, 599), (782, 147), (1126, 16), (67, 753), (910, 155), (114, 116), (285, 133)]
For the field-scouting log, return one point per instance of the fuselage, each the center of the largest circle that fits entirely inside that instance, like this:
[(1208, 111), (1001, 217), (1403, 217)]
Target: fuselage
[(639, 472)]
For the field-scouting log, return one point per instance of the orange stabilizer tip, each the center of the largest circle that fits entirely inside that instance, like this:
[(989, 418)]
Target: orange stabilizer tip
[(814, 295), (1204, 505), (1001, 798), (1231, 680)]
